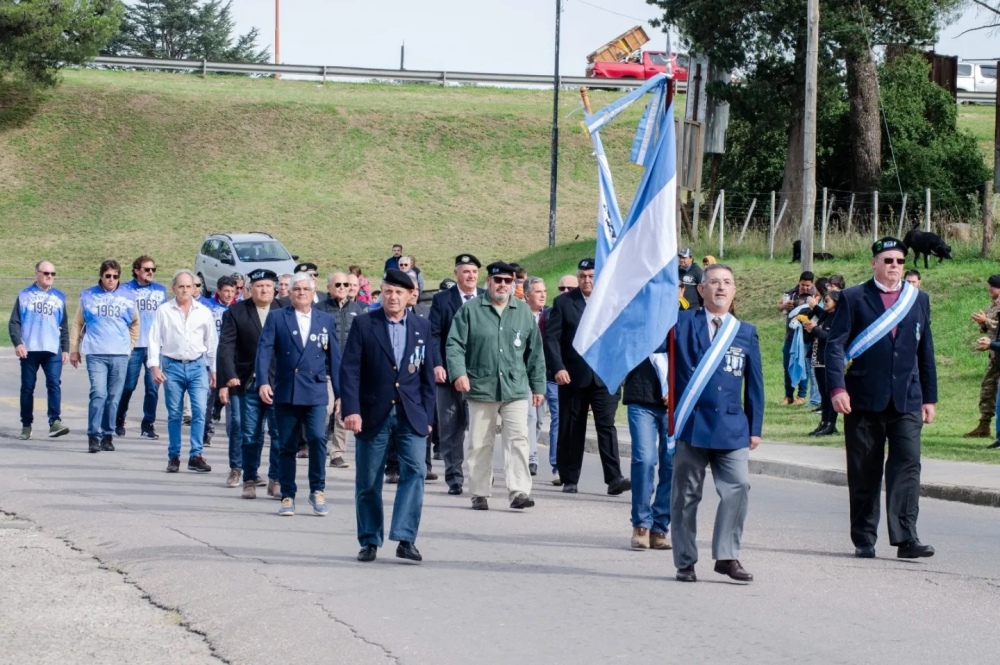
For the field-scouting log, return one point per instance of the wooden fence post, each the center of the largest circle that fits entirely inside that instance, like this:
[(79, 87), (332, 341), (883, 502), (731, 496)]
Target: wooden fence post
[(927, 209), (875, 215), (850, 214), (902, 216), (987, 219), (770, 234), (715, 213), (722, 225), (746, 222)]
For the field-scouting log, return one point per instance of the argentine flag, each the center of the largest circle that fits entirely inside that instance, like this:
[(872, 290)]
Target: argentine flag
[(609, 217), (634, 303)]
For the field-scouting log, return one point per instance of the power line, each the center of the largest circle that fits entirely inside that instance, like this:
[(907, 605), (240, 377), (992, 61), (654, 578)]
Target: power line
[(611, 11)]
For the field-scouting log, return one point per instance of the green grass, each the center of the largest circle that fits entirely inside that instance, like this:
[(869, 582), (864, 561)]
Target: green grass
[(980, 121), (957, 289)]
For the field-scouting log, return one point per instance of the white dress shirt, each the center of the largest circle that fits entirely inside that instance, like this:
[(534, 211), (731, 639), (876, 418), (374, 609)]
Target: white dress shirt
[(305, 323), (181, 337)]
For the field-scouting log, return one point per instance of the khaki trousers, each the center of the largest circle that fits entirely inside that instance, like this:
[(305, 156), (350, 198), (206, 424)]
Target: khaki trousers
[(482, 436)]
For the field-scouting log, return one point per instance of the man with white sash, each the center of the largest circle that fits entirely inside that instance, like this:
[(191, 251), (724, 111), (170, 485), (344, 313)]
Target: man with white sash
[(718, 412), (882, 377)]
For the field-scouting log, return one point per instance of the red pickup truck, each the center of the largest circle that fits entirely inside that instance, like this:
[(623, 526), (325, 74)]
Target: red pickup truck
[(653, 63)]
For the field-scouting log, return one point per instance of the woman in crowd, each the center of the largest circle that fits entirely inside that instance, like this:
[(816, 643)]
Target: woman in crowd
[(364, 288), (819, 328)]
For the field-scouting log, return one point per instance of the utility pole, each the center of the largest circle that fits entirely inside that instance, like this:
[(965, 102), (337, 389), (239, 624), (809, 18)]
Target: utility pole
[(996, 142), (277, 35), (555, 136), (809, 136), (402, 56)]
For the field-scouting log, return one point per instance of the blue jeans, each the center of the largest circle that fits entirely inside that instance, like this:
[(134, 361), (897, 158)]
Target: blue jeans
[(813, 390), (250, 408), (411, 449), (786, 353), (136, 362), (193, 379), (234, 429), (648, 428), (291, 418), (997, 409), (552, 397), (107, 375), (51, 365)]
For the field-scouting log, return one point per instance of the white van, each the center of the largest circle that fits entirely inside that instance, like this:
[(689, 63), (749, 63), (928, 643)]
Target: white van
[(973, 77)]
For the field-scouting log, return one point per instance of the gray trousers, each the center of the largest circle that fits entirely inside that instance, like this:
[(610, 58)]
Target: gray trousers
[(731, 472), (536, 418), (453, 420)]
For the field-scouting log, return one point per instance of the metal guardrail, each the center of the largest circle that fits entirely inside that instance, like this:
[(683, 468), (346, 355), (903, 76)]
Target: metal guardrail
[(977, 98), (364, 73)]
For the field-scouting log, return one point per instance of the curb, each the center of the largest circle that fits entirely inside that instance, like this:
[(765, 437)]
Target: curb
[(978, 496)]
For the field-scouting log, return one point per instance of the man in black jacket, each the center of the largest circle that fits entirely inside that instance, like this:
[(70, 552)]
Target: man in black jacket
[(452, 411), (580, 389), (237, 356), (344, 310)]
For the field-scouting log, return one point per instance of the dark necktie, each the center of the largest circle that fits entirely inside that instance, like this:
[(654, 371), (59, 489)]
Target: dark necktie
[(717, 322), (467, 297)]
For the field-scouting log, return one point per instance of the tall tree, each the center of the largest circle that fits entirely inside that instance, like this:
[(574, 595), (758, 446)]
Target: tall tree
[(38, 37), (180, 29)]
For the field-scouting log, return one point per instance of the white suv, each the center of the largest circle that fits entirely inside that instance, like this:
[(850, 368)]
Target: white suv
[(229, 253), (973, 77)]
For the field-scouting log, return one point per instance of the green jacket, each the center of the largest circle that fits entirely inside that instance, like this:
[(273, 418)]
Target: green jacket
[(501, 355)]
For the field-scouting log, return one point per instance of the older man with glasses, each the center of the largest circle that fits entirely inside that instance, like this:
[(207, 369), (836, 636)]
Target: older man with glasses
[(105, 330), (39, 331), (566, 283), (148, 297)]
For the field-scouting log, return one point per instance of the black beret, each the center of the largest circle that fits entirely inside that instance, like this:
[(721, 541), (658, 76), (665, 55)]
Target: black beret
[(585, 264), (886, 244), (994, 281), (499, 268), (398, 278), (467, 259), (262, 273), (306, 267), (446, 284)]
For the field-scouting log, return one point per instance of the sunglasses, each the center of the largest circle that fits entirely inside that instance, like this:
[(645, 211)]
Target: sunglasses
[(898, 262), (197, 285), (46, 273), (565, 288), (110, 275), (148, 269), (502, 280), (341, 284)]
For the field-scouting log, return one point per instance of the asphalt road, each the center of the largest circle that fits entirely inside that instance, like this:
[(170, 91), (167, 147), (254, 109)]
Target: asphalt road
[(554, 584)]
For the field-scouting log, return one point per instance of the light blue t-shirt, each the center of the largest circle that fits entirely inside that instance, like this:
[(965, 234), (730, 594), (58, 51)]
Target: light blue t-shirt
[(42, 314), (148, 298), (107, 316), (217, 309)]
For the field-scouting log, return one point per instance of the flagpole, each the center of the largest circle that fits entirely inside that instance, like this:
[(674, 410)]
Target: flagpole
[(670, 383)]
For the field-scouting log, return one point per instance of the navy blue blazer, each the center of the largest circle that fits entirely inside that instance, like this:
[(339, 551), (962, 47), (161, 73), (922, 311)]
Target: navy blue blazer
[(731, 408), (899, 370), (371, 382), (444, 306), (300, 373)]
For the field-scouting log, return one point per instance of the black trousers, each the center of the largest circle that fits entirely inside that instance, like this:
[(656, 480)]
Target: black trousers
[(866, 433), (828, 415), (573, 405)]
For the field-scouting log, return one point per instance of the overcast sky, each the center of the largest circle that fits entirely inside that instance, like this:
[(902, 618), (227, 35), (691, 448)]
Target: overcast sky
[(509, 36)]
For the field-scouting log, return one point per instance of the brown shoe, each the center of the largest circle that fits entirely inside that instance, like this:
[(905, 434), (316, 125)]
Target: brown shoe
[(786, 402), (640, 538), (659, 541), (981, 431), (733, 569), (235, 476), (249, 490), (274, 489), (799, 401)]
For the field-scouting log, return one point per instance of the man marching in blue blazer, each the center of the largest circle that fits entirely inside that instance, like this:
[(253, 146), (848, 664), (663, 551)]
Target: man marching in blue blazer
[(718, 413), (387, 384), (303, 343)]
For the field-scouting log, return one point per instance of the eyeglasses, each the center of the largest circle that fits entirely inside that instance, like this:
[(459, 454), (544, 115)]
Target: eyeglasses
[(565, 288), (144, 269), (110, 275), (898, 262), (341, 284), (301, 289), (502, 280), (46, 273)]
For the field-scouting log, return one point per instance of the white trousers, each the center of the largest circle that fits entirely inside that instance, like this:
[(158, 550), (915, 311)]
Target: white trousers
[(482, 437)]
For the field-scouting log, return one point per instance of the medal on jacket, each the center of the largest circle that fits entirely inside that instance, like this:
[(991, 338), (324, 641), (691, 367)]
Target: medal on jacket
[(517, 339), (324, 339)]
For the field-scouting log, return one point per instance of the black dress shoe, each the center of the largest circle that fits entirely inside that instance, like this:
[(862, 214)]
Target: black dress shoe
[(406, 550), (865, 552), (818, 428), (106, 443), (454, 490), (733, 569), (522, 501), (93, 444), (431, 476), (686, 574), (994, 445), (914, 550), (367, 553), (827, 430), (619, 485), (480, 503), (569, 488), (391, 478), (533, 469)]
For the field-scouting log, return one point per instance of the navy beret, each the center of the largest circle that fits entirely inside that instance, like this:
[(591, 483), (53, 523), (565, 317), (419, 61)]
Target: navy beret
[(467, 259), (585, 264), (887, 244), (262, 273), (306, 267), (398, 278), (499, 268)]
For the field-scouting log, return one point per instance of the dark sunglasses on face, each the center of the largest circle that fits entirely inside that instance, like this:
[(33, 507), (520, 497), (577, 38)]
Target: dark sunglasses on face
[(341, 284), (565, 288), (110, 275), (47, 274), (898, 262), (502, 280), (148, 269), (197, 285)]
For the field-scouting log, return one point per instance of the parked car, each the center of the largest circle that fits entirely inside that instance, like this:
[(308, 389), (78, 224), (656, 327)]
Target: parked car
[(644, 65), (973, 77), (228, 253)]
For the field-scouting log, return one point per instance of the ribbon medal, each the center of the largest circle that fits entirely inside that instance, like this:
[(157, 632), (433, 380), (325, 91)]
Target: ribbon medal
[(517, 339)]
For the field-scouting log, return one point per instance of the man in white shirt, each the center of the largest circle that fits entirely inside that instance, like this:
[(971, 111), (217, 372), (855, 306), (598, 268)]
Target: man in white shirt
[(182, 341)]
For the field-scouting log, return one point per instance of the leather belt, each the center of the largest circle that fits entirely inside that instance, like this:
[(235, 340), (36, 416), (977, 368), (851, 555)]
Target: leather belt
[(185, 362)]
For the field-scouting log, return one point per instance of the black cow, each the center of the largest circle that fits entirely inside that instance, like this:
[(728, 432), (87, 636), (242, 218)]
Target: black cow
[(926, 243), (817, 256)]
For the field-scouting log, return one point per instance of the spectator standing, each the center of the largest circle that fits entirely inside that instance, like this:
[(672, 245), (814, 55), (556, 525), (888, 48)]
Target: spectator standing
[(39, 331), (105, 330), (987, 321), (362, 291), (495, 356), (407, 265), (392, 263), (690, 277), (820, 331), (283, 282), (566, 284), (912, 277), (148, 297), (791, 300)]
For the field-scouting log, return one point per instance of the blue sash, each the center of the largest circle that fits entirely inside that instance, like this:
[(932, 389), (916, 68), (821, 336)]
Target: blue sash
[(883, 324), (706, 368)]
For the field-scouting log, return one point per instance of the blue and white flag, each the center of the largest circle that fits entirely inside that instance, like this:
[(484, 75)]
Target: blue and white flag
[(634, 303), (609, 216)]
